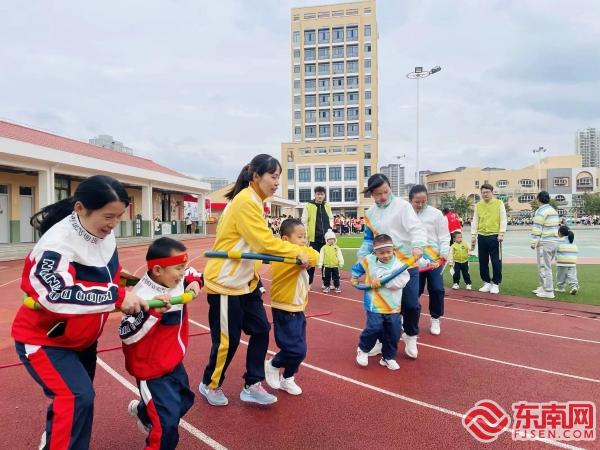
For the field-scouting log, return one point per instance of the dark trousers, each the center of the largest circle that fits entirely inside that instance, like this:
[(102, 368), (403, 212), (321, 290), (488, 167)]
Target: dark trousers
[(385, 327), (461, 268), (66, 376), (236, 313), (411, 307), (489, 251), (330, 272), (435, 288), (165, 400), (311, 271), (290, 336)]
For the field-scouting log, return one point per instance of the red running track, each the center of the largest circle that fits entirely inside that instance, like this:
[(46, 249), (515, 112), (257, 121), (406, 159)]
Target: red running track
[(486, 350)]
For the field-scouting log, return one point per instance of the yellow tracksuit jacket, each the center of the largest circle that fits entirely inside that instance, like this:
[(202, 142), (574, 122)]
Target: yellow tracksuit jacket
[(289, 289)]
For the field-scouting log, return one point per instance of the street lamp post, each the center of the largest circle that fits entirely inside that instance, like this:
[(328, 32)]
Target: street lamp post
[(399, 158), (539, 151), (417, 74)]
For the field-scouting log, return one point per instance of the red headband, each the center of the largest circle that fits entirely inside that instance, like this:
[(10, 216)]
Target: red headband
[(169, 261)]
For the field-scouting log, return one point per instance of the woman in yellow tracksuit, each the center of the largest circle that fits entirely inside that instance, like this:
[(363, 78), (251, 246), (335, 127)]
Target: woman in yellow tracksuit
[(234, 287)]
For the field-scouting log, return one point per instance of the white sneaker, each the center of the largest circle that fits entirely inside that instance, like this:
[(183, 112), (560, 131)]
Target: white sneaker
[(362, 358), (455, 286), (42, 441), (486, 287), (376, 350), (391, 364), (325, 290), (410, 347), (495, 289), (538, 290), (289, 385), (573, 291), (132, 410), (469, 287), (545, 294), (257, 394), (435, 328), (272, 375)]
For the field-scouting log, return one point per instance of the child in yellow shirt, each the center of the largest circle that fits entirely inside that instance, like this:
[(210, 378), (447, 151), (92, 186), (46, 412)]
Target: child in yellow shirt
[(459, 261)]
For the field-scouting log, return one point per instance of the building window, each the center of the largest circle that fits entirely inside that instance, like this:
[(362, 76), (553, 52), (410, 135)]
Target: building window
[(62, 188), (321, 151), (290, 194), (353, 98), (338, 52), (296, 37), (560, 198), (304, 195), (368, 48), (324, 131), (526, 182), (310, 116), (350, 194), (350, 173), (352, 82), (335, 150), (310, 131), (368, 126), (367, 95), (367, 79), (584, 182), (320, 174), (296, 69), (309, 37), (323, 68), (296, 84), (310, 85), (297, 53), (335, 194), (309, 54), (297, 100), (352, 114), (335, 173), (324, 100), (338, 99), (526, 198), (338, 34), (501, 183), (352, 33), (324, 36), (338, 83), (352, 66), (561, 181), (310, 101), (352, 129), (367, 171), (338, 115), (310, 70), (297, 115), (351, 149), (338, 130), (368, 111), (367, 63), (338, 68), (352, 51), (324, 53), (290, 174), (297, 131), (324, 84), (324, 115), (304, 175)]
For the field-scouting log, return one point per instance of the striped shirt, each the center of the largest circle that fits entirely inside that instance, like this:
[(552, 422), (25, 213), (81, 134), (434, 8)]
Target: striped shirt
[(566, 254), (545, 225)]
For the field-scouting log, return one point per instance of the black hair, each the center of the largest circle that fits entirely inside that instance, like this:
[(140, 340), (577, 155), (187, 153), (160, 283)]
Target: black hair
[(163, 248), (487, 186), (375, 181), (288, 225), (416, 189), (259, 165), (94, 193), (320, 189), (445, 210), (564, 230), (382, 239), (456, 233), (543, 197)]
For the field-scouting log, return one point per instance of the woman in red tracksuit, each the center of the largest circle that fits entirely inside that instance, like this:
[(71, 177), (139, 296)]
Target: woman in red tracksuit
[(72, 273)]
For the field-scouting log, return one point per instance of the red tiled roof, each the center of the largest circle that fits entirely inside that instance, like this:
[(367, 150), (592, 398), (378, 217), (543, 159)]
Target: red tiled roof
[(24, 134)]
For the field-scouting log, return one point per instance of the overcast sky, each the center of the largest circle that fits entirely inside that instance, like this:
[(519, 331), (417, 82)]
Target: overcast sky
[(202, 86)]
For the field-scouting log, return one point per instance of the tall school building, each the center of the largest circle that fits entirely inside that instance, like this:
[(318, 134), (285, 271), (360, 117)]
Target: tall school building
[(38, 168), (334, 105)]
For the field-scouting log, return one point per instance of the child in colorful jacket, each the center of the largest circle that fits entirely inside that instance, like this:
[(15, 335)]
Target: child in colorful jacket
[(332, 260)]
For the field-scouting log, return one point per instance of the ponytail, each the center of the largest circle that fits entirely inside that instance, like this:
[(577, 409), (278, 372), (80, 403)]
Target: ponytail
[(94, 193), (564, 230), (571, 236), (259, 165)]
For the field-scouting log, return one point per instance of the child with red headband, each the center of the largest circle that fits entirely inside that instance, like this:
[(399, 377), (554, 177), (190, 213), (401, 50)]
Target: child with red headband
[(154, 344)]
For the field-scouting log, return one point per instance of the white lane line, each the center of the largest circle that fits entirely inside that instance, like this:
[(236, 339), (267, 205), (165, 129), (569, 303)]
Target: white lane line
[(520, 330), (182, 423), (483, 358), (414, 401), (8, 282)]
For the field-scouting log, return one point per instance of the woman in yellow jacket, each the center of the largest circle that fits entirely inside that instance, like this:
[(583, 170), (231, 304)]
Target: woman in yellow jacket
[(234, 287)]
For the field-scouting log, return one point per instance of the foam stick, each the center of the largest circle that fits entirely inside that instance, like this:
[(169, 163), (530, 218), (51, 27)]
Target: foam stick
[(389, 277), (186, 297), (234, 254)]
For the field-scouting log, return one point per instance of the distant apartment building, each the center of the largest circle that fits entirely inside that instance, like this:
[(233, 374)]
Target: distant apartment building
[(587, 144), (216, 183), (395, 173), (107, 141)]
